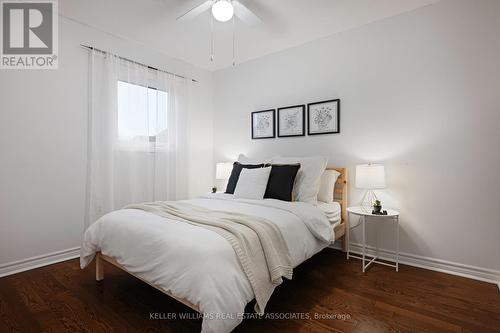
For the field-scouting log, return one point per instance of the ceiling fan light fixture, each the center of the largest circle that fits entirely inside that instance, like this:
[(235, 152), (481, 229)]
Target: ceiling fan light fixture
[(222, 10)]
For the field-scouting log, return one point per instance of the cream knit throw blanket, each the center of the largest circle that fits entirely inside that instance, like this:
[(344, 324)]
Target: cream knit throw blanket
[(258, 243)]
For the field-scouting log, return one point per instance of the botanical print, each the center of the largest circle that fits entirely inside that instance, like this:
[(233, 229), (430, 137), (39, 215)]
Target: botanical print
[(263, 123), (291, 121), (323, 117)]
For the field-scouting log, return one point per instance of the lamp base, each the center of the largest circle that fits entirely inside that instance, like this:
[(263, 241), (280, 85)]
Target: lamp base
[(368, 200)]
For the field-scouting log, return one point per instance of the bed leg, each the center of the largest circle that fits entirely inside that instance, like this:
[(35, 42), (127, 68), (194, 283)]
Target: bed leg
[(99, 267), (344, 244)]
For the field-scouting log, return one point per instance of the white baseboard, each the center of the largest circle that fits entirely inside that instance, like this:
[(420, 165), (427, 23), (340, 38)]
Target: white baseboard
[(468, 271), (450, 267), (38, 261)]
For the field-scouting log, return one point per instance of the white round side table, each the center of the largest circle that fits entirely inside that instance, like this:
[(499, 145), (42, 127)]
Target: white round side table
[(358, 211)]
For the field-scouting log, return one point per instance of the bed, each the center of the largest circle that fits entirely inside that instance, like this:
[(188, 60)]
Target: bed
[(197, 267)]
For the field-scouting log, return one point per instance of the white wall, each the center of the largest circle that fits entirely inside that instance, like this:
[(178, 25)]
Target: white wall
[(43, 136), (420, 93)]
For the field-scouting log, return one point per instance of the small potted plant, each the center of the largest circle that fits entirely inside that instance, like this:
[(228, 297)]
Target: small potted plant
[(377, 207), (214, 189)]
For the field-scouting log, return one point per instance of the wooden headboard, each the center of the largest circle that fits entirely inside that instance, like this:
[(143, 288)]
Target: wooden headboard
[(340, 196)]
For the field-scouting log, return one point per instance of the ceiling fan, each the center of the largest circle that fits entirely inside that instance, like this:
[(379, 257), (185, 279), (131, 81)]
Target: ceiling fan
[(222, 11)]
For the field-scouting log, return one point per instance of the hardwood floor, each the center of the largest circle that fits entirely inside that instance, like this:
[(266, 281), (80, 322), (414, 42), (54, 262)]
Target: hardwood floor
[(63, 298)]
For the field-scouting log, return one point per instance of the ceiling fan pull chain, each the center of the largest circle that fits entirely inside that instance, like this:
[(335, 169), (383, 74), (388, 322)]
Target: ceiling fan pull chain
[(211, 38), (234, 33)]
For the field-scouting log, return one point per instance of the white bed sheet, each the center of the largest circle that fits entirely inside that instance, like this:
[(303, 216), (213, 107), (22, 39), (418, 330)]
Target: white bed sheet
[(198, 264), (332, 211)]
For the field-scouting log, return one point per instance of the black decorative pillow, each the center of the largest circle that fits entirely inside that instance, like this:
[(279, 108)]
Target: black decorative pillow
[(235, 174), (281, 181)]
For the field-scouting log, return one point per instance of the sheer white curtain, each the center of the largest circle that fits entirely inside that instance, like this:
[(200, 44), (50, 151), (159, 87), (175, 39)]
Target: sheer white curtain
[(137, 148)]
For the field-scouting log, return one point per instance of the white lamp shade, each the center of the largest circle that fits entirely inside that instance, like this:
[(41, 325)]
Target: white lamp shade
[(370, 176), (223, 170)]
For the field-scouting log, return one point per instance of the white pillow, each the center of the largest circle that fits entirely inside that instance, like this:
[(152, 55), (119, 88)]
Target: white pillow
[(326, 185), (245, 160), (252, 183), (307, 181)]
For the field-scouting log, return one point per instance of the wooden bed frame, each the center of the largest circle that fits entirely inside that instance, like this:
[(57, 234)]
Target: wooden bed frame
[(339, 195)]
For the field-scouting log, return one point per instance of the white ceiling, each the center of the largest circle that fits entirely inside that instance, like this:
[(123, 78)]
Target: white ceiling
[(286, 23)]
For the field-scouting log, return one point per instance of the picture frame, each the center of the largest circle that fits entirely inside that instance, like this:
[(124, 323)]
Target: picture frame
[(263, 124), (323, 117), (292, 121)]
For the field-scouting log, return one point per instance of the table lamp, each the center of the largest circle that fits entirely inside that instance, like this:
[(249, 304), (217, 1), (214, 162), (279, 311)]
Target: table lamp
[(222, 172), (369, 177)]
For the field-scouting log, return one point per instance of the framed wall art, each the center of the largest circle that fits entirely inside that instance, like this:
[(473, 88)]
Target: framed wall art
[(263, 124), (323, 117), (292, 121)]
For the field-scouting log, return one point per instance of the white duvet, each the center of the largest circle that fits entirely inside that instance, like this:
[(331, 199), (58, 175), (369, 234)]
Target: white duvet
[(195, 263)]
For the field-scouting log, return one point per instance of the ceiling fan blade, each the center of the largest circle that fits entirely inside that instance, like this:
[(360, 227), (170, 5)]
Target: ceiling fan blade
[(245, 14), (192, 13)]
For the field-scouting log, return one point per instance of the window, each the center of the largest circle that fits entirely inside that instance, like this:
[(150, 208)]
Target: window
[(142, 112)]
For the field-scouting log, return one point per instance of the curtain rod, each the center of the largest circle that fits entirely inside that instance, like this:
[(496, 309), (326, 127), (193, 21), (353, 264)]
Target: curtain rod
[(137, 63)]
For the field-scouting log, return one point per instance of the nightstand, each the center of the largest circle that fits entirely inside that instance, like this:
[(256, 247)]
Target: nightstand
[(392, 215)]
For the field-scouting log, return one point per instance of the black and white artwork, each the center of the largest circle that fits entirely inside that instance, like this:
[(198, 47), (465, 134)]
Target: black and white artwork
[(291, 121), (323, 117), (263, 124)]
